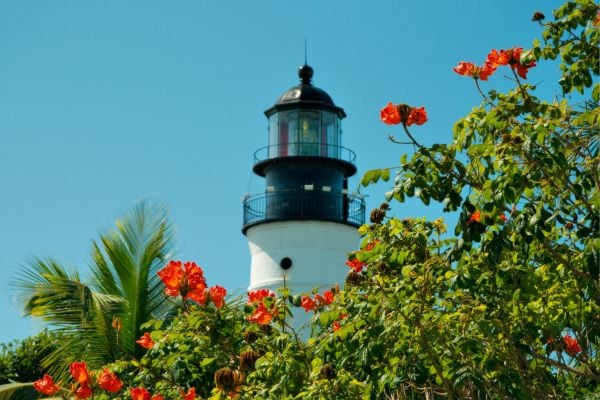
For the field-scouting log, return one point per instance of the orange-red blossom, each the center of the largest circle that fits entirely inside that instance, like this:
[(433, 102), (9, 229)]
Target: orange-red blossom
[(46, 385), (319, 301), (185, 280), (393, 114), (261, 315), (571, 345), (217, 295), (493, 60), (109, 381), (475, 217), (259, 294), (145, 341), (79, 372), (83, 392), (190, 395), (139, 393)]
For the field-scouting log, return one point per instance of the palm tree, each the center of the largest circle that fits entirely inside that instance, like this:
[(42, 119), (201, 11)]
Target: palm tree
[(123, 286)]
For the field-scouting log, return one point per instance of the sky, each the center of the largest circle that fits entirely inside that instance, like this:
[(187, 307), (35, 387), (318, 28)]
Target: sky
[(106, 103)]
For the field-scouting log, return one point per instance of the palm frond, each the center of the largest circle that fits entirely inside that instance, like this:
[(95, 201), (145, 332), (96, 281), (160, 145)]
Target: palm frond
[(127, 264), (50, 291), (17, 391), (123, 285)]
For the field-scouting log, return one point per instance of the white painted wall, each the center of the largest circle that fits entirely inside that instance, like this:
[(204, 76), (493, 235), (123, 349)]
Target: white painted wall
[(318, 251)]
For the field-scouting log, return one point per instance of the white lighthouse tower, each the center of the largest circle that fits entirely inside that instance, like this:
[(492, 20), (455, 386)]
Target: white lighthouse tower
[(302, 226)]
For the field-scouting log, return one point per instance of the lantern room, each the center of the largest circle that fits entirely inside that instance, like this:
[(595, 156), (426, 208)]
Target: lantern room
[(304, 122), (305, 166)]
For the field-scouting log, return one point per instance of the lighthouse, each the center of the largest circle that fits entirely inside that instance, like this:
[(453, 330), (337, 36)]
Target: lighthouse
[(302, 226)]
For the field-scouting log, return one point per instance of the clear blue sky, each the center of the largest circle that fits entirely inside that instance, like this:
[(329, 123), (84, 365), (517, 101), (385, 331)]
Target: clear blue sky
[(103, 103)]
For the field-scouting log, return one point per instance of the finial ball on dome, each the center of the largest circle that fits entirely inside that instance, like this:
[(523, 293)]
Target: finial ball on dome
[(305, 73)]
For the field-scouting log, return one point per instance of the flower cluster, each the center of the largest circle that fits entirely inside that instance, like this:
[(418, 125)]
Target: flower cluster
[(46, 385), (84, 382), (336, 324), (318, 302), (353, 261), (187, 280), (140, 393), (571, 345), (264, 306), (474, 217), (145, 341), (394, 114), (495, 59)]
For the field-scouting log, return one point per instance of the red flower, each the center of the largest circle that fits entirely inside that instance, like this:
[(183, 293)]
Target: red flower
[(172, 276), (79, 372), (258, 295), (145, 341), (466, 68), (188, 282), (475, 217), (497, 58), (355, 264), (572, 345), (371, 245), (109, 381), (472, 70), (486, 71), (217, 295), (139, 394), (395, 114), (196, 284), (328, 297), (417, 115), (83, 392), (261, 315), (503, 217), (46, 385), (191, 394), (336, 324), (390, 114), (157, 397), (308, 304)]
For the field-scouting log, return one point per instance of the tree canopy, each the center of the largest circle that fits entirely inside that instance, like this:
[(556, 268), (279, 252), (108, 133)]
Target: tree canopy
[(505, 305)]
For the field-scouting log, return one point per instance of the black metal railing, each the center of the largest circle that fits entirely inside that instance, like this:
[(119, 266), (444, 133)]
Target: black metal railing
[(304, 205), (302, 149)]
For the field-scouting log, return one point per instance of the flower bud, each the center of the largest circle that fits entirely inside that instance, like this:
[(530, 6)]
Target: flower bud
[(538, 17), (250, 337), (328, 372)]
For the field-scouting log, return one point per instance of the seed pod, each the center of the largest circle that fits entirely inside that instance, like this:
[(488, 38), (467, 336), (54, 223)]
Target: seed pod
[(248, 359), (538, 16), (328, 372), (377, 215), (250, 336), (354, 279), (224, 379)]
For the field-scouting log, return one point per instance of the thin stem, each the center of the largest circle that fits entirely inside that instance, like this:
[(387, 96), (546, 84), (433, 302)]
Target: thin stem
[(485, 98), (521, 88)]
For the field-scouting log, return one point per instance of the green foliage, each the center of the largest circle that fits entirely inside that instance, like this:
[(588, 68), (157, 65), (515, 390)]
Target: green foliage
[(123, 286), (505, 307), (21, 360)]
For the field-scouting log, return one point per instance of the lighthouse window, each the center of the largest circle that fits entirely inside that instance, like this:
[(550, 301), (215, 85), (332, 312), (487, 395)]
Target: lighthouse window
[(274, 136), (309, 133), (285, 263), (329, 135)]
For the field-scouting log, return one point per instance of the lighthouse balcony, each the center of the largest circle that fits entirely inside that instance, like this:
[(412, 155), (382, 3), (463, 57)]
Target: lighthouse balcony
[(306, 204), (272, 154)]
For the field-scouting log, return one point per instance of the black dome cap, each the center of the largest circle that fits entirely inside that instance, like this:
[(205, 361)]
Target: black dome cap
[(305, 95)]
